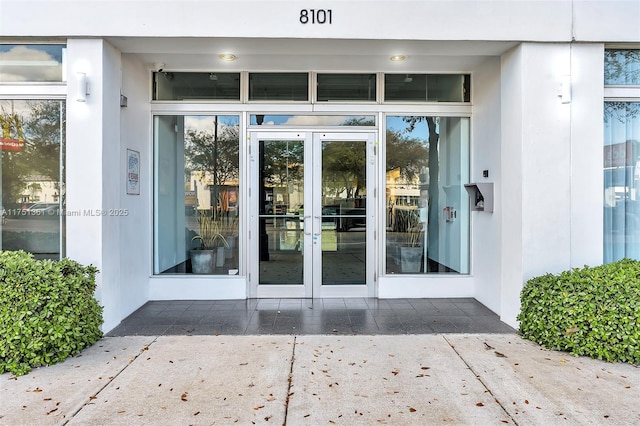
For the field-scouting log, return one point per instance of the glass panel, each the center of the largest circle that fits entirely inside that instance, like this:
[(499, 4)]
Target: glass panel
[(346, 87), (621, 181), (427, 87), (32, 144), (312, 120), (31, 62), (170, 86), (427, 163), (196, 194), (278, 87), (344, 196), (622, 67), (281, 212)]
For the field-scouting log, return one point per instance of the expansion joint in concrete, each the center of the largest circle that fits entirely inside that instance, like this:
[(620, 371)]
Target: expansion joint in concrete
[(479, 377), (109, 381), (289, 380)]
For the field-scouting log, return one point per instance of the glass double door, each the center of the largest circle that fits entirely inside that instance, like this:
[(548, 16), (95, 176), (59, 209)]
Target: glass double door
[(312, 214)]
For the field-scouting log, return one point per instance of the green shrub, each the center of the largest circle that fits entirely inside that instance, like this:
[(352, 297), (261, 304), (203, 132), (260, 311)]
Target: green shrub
[(594, 311), (47, 311)]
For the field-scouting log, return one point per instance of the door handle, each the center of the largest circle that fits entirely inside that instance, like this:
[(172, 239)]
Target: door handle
[(304, 225), (319, 228)]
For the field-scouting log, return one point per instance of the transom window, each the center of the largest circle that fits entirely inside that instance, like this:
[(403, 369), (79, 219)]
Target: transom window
[(305, 87), (20, 63), (622, 67)]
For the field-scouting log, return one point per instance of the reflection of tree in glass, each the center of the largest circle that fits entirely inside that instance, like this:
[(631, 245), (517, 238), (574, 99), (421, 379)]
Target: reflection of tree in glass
[(343, 166), (408, 154), (41, 127), (432, 146), (214, 153), (620, 111), (622, 66), (358, 121), (283, 160)]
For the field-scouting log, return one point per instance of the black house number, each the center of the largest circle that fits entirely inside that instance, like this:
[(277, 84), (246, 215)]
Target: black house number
[(315, 16)]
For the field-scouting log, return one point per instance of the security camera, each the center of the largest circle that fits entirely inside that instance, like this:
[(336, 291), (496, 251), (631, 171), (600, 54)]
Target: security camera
[(158, 66)]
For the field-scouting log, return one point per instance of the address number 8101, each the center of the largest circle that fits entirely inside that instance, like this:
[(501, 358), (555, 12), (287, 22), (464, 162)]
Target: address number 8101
[(315, 16)]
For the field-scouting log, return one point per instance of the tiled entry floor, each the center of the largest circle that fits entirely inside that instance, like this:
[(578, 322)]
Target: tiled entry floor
[(362, 316)]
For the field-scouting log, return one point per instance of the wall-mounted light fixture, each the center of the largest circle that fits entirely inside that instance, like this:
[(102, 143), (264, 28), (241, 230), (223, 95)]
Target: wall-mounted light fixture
[(82, 89), (565, 89)]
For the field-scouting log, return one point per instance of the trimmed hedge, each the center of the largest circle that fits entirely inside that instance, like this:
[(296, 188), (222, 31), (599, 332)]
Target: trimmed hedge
[(593, 311), (47, 311)]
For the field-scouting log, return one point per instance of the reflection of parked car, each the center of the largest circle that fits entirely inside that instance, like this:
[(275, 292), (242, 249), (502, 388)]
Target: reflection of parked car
[(44, 210)]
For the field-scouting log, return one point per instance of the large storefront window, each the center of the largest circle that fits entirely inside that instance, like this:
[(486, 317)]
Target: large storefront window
[(621, 181), (32, 147), (427, 207), (196, 194)]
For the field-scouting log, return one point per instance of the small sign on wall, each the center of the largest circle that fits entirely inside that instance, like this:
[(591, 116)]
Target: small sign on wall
[(133, 172)]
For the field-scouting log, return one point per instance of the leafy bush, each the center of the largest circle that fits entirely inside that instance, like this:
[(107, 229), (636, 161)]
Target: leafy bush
[(594, 311), (47, 311)]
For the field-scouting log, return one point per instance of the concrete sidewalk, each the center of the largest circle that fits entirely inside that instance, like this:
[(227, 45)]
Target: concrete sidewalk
[(461, 379)]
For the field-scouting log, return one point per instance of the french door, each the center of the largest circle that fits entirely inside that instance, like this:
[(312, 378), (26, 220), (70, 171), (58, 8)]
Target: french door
[(312, 208)]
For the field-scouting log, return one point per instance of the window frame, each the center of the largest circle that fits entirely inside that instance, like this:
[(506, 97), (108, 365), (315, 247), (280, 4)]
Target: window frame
[(616, 93)]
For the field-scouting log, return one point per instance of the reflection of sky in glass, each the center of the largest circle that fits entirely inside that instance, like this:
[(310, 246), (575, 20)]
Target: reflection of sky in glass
[(622, 67), (420, 130), (204, 123), (30, 62), (622, 122), (23, 109), (312, 120)]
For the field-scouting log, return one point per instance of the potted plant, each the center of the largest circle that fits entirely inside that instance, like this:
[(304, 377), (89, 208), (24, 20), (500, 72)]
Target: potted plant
[(411, 249), (230, 234), (210, 254)]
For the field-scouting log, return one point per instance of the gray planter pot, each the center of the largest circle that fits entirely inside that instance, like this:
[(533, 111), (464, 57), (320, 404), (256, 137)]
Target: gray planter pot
[(410, 259), (203, 261)]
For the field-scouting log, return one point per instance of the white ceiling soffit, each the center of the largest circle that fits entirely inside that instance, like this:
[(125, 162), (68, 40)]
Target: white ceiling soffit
[(309, 54)]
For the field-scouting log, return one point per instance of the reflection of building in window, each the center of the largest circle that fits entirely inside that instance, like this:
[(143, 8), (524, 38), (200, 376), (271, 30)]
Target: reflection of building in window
[(403, 194), (621, 172), (39, 189), (200, 193)]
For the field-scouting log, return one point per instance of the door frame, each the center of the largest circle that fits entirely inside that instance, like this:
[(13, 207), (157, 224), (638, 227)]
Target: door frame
[(312, 286)]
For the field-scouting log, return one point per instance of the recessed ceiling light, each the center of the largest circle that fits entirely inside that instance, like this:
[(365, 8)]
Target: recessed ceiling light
[(227, 57), (397, 58)]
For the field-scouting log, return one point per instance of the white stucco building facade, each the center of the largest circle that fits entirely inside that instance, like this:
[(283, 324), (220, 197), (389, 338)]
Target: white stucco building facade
[(533, 125)]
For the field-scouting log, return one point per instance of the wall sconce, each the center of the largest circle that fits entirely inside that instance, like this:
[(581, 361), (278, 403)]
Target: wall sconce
[(82, 90), (565, 89)]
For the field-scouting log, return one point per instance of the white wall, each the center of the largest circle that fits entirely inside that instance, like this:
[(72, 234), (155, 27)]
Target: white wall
[(603, 20), (551, 164), (112, 171), (135, 228), (98, 133), (84, 161), (509, 193), (546, 165), (486, 144), (587, 128)]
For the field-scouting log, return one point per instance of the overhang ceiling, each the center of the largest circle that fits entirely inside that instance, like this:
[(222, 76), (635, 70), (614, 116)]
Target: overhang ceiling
[(201, 54)]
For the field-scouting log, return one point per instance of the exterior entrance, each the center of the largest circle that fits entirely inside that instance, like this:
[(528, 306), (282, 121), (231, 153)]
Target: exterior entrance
[(312, 207)]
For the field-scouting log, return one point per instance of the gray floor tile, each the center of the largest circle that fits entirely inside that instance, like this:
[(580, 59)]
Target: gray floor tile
[(312, 316)]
